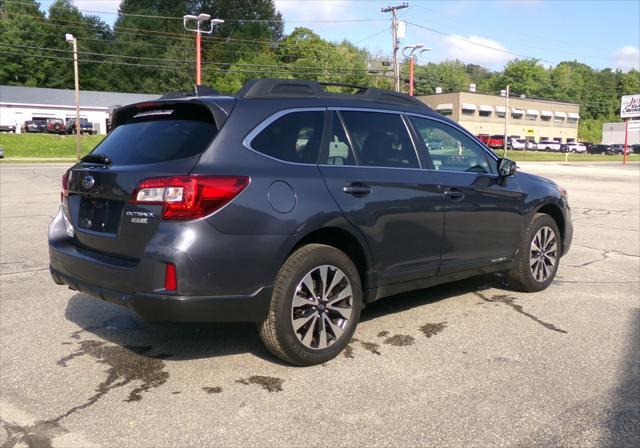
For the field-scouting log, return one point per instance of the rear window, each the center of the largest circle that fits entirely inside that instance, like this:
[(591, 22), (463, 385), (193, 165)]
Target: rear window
[(294, 137), (159, 134)]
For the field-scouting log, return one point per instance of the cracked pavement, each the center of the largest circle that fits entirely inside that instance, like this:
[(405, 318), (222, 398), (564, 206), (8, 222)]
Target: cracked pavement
[(467, 364)]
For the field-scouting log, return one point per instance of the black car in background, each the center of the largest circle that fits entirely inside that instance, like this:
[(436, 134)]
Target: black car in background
[(618, 148), (33, 126), (85, 126), (293, 207), (7, 128), (599, 149)]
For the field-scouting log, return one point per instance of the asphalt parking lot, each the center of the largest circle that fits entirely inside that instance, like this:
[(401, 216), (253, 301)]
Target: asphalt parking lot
[(467, 364)]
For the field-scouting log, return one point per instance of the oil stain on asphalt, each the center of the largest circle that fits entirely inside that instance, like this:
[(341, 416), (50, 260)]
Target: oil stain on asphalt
[(432, 329), (127, 365), (368, 346), (509, 301), (38, 435), (268, 383), (400, 340), (212, 390)]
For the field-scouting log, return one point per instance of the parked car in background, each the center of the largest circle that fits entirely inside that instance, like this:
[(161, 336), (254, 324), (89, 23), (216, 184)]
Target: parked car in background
[(484, 138), (519, 144), (1, 152), (263, 222), (618, 148), (531, 145), (7, 128), (85, 127), (549, 145), (495, 141), (635, 149), (587, 145), (55, 126), (578, 148), (33, 126), (599, 149)]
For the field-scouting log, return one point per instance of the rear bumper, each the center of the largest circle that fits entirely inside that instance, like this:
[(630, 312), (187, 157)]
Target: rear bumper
[(172, 308)]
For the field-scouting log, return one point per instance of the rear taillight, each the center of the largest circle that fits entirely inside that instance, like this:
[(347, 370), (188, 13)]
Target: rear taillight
[(65, 186), (189, 197), (170, 277)]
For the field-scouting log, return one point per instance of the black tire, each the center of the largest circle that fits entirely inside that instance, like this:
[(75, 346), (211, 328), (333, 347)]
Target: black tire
[(277, 331), (521, 276)]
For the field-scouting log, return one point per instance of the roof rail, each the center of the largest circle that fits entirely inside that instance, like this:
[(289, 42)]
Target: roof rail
[(300, 88), (280, 88)]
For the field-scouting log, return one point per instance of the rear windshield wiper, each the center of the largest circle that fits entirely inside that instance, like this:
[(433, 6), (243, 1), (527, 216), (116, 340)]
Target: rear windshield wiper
[(96, 158)]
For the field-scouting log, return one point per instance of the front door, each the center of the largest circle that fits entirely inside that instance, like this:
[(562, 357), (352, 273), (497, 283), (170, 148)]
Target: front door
[(371, 168), (483, 219)]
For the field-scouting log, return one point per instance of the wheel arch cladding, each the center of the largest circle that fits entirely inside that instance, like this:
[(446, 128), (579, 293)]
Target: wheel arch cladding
[(556, 213), (344, 241)]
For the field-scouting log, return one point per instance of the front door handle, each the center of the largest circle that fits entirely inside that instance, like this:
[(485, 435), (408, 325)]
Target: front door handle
[(357, 189), (454, 194)]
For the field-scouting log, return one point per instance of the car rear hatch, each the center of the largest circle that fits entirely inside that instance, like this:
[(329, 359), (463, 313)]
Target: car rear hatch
[(150, 140)]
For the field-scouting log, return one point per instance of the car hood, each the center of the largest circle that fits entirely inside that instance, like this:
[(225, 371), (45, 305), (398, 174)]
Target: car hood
[(535, 177)]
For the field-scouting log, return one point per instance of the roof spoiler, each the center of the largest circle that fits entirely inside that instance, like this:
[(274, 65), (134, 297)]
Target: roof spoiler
[(198, 90)]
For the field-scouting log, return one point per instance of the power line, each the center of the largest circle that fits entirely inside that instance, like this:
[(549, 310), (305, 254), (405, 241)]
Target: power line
[(280, 71), (90, 53), (153, 16)]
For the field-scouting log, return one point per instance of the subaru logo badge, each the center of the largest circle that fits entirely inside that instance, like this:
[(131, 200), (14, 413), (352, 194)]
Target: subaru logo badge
[(88, 182)]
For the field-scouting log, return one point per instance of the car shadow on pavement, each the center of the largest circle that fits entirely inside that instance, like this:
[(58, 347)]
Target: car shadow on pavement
[(406, 301), (121, 326)]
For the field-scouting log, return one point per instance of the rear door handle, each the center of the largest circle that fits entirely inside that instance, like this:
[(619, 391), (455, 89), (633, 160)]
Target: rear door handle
[(454, 194), (357, 189)]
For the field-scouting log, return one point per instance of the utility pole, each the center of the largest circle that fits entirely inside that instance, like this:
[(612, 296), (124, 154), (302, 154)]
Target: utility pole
[(394, 35), (72, 40), (506, 124), (199, 19)]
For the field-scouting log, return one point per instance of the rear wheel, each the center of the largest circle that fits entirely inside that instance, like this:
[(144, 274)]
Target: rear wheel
[(538, 257), (315, 307)]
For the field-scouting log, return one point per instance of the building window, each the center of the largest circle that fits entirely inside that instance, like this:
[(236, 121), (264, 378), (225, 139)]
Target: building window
[(532, 117), (545, 117), (572, 120), (500, 114), (517, 114), (484, 113), (543, 139), (557, 139), (468, 109), (445, 112), (571, 140)]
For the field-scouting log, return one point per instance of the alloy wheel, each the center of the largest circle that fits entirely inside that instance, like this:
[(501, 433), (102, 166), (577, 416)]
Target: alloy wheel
[(543, 254), (321, 307)]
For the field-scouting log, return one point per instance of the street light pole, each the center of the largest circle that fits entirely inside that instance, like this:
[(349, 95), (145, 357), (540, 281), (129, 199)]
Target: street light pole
[(72, 40), (200, 19), (412, 60), (506, 123)]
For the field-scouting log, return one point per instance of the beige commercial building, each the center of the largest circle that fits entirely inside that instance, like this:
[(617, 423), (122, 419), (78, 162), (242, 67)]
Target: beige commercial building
[(529, 119)]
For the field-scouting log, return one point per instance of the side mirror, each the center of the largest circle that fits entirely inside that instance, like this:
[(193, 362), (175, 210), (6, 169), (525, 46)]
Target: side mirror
[(506, 167)]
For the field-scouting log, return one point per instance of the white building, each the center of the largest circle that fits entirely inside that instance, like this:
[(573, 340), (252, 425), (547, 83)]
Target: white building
[(20, 104), (613, 133)]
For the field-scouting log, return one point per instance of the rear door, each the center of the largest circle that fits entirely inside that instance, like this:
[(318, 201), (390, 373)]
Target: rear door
[(372, 170), (151, 141), (483, 212)]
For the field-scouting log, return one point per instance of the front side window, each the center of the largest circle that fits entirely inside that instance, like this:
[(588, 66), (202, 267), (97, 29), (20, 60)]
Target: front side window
[(294, 137), (451, 150), (380, 139)]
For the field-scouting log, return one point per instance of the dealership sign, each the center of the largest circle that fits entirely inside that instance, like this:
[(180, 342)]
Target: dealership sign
[(630, 106)]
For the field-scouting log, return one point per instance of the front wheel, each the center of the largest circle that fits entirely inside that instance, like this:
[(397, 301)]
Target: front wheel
[(315, 307), (538, 256)]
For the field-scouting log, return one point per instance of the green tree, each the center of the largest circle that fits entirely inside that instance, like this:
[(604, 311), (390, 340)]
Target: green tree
[(451, 76)]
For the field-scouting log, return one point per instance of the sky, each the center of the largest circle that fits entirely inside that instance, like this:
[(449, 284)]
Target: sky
[(488, 33)]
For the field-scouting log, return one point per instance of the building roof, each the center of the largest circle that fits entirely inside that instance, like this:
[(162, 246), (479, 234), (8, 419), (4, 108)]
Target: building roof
[(513, 97), (66, 97)]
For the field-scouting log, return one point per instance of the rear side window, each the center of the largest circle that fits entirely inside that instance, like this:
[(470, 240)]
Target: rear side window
[(159, 134), (380, 139), (294, 137)]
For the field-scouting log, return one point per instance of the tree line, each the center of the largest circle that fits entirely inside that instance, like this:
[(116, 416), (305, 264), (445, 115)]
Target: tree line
[(148, 50)]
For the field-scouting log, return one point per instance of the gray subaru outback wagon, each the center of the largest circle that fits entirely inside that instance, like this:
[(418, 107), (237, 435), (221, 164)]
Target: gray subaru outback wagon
[(294, 207)]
